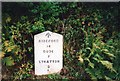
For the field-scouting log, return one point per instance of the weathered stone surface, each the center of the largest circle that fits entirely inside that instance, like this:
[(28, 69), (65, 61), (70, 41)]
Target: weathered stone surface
[(48, 53)]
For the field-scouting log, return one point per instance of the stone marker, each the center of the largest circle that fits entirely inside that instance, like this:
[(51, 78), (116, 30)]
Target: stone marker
[(48, 52)]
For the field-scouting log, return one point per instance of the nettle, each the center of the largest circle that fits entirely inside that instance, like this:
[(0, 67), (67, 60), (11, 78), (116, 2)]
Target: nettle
[(96, 56)]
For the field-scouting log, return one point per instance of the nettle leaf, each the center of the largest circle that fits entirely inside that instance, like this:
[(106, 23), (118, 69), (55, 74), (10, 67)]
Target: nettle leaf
[(107, 78), (98, 74), (91, 73), (96, 59), (91, 65), (80, 59), (88, 48), (8, 61), (98, 56), (106, 51), (109, 54), (108, 65), (96, 46)]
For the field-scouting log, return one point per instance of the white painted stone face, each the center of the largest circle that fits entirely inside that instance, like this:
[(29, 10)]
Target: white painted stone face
[(48, 53)]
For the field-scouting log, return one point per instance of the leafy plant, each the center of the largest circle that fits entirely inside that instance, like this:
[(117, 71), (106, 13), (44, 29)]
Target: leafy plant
[(96, 56), (24, 71), (91, 38)]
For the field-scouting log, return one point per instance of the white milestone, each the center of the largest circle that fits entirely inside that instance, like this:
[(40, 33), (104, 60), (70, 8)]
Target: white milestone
[(48, 53)]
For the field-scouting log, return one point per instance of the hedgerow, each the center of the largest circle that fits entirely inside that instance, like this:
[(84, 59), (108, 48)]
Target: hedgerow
[(91, 39)]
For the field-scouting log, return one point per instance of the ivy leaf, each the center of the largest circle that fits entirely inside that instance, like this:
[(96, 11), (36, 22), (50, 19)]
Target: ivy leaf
[(9, 49), (6, 43), (2, 54), (8, 19), (8, 61)]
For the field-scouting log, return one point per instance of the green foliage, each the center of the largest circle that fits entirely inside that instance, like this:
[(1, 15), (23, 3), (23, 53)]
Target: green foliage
[(18, 46), (8, 61), (97, 55), (54, 76), (24, 71), (91, 38)]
